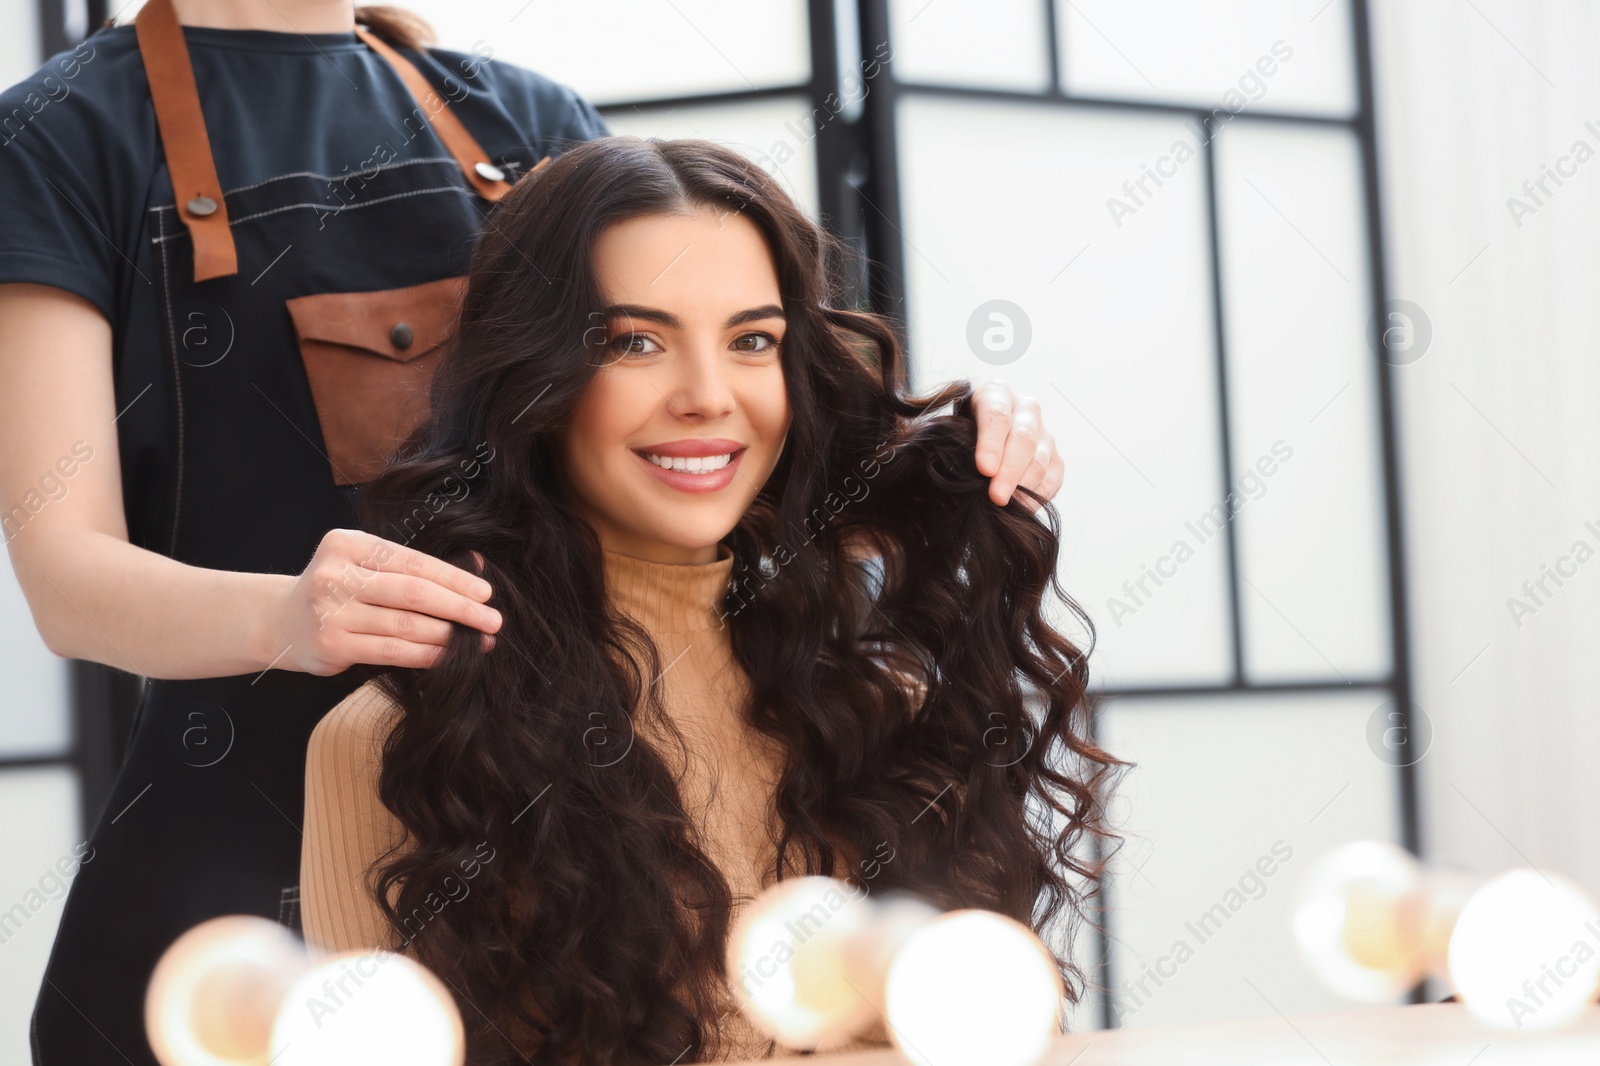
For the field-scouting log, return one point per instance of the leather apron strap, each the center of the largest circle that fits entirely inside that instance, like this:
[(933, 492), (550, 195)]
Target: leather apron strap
[(184, 139), (188, 149), (488, 179)]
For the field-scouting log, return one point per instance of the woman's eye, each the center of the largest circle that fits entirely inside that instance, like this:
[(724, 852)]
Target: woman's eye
[(756, 342), (634, 344)]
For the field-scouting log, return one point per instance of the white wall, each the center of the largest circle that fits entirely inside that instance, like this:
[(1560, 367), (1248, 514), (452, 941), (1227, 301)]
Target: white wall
[(1500, 433)]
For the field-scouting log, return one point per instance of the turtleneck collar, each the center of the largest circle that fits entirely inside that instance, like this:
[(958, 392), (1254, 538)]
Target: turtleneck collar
[(667, 597)]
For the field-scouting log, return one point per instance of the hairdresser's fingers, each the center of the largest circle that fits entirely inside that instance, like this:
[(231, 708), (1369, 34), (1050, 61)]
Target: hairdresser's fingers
[(348, 560), (1055, 475), (1044, 454), (374, 553), (391, 651), (409, 593), (992, 405), (381, 637), (332, 647), (352, 567), (366, 620), (1022, 445), (1042, 476)]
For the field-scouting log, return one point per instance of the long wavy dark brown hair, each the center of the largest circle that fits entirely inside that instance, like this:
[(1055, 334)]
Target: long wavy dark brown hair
[(891, 619)]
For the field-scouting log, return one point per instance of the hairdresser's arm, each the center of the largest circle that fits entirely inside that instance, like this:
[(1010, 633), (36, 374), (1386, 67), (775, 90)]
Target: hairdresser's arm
[(1013, 447), (95, 596)]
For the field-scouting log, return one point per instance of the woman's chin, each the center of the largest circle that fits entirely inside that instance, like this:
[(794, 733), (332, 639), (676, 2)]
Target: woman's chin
[(699, 544)]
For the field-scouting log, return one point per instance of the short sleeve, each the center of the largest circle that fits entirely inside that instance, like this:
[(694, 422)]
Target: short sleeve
[(57, 227), (584, 122), (550, 117), (560, 118), (347, 827)]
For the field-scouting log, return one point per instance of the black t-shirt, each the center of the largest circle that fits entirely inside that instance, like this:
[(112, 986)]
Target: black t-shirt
[(78, 139)]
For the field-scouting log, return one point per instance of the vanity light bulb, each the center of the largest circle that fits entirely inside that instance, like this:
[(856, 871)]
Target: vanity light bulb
[(789, 962), (368, 1009), (973, 986), (214, 993), (1361, 921), (1525, 953)]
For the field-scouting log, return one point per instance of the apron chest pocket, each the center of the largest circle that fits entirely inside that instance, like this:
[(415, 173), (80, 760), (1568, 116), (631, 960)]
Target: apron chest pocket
[(369, 358)]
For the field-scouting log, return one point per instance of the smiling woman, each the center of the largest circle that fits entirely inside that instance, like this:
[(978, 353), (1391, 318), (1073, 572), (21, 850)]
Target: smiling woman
[(642, 465), (644, 748)]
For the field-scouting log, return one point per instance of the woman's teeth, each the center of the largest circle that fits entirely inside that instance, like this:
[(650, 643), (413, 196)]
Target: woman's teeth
[(699, 464)]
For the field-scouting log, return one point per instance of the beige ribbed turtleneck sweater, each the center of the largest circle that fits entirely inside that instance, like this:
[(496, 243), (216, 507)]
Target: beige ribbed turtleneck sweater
[(727, 786)]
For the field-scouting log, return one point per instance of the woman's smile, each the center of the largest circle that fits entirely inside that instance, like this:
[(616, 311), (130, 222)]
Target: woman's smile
[(693, 465)]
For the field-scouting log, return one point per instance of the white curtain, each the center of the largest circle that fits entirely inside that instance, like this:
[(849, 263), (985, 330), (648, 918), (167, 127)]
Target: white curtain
[(1498, 417)]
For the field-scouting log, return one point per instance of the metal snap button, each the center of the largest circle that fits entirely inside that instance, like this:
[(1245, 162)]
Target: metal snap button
[(490, 172), (400, 336), (201, 206)]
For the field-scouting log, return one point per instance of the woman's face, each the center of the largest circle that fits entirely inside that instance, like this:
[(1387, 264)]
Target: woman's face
[(673, 438)]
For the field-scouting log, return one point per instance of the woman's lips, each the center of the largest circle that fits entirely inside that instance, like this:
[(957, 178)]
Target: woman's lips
[(686, 481)]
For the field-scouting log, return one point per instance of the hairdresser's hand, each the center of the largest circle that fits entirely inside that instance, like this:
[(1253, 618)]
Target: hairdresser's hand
[(364, 599), (1013, 447)]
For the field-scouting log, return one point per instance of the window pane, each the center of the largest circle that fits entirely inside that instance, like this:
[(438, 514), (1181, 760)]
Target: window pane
[(1090, 1010), (1220, 783), (35, 720), (1120, 355), (780, 134), (622, 50), (1303, 403), (992, 43), (37, 864), (19, 49), (1275, 55)]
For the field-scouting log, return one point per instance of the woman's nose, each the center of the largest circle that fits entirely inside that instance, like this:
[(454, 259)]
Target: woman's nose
[(701, 388)]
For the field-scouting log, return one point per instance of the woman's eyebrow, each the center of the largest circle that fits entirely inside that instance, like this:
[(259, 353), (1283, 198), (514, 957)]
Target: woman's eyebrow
[(650, 314), (756, 314), (668, 319)]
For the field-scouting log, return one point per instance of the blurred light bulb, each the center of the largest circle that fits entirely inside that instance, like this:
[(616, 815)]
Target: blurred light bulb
[(358, 1008), (972, 986), (1362, 920), (895, 917), (1525, 953), (213, 996), (789, 958), (1447, 893)]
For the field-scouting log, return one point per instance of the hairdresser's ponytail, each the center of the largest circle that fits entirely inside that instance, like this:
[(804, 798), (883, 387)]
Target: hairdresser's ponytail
[(397, 25)]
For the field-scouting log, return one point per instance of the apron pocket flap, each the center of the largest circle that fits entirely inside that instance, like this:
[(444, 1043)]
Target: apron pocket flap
[(369, 359), (402, 324)]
